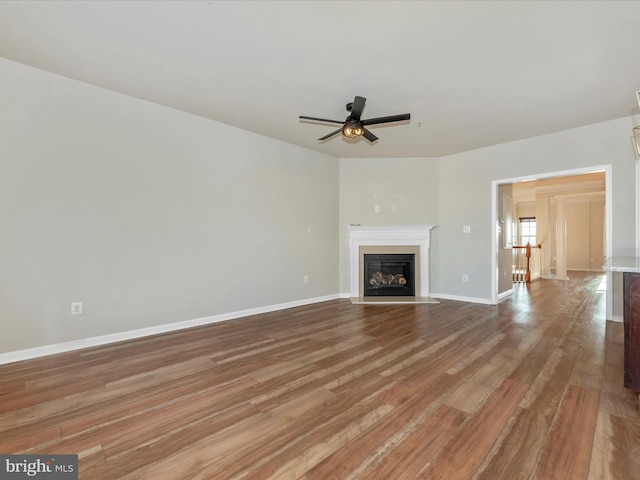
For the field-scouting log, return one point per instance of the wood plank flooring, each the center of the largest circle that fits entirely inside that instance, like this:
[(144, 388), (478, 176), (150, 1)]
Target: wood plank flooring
[(529, 389)]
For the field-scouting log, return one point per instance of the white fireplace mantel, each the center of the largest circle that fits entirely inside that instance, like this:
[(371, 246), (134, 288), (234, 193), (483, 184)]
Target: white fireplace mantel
[(389, 235)]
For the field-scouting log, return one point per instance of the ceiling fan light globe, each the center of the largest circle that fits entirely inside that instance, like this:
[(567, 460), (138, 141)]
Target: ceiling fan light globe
[(352, 131)]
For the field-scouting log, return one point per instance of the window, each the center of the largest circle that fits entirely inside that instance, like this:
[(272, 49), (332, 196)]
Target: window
[(527, 231)]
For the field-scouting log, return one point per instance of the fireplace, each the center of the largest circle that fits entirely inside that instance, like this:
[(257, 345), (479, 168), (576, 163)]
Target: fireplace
[(412, 240), (389, 275)]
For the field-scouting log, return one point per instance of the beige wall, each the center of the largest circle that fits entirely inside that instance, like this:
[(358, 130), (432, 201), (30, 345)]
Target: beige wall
[(505, 221), (585, 233), (585, 227), (584, 198)]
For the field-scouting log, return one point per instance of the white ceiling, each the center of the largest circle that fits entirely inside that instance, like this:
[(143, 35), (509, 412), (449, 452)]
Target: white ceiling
[(471, 74)]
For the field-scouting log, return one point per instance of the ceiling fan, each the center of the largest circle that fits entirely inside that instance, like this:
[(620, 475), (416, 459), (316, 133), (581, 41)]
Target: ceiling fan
[(354, 126)]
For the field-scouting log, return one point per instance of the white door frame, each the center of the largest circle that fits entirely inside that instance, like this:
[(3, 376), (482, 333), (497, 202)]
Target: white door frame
[(608, 171), (638, 206)]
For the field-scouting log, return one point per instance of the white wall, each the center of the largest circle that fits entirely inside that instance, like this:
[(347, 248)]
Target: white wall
[(471, 173), (405, 189), (148, 215), (460, 186)]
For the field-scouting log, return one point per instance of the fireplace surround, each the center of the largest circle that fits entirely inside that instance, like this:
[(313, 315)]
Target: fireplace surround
[(386, 239)]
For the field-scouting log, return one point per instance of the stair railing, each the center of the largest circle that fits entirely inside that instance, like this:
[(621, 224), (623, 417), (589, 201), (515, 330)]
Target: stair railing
[(522, 269)]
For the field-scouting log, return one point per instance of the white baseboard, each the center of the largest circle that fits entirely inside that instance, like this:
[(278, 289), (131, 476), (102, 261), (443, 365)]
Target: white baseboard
[(459, 298), (446, 296), (45, 350), (597, 270), (616, 318), (506, 294)]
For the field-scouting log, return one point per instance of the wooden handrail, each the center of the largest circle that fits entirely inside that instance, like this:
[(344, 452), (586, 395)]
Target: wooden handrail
[(527, 247)]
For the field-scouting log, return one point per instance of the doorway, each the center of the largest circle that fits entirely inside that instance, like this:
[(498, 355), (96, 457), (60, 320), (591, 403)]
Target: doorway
[(498, 230)]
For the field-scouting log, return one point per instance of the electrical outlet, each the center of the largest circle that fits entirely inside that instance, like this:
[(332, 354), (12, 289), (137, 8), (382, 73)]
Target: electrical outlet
[(465, 277), (306, 279), (376, 209), (76, 308)]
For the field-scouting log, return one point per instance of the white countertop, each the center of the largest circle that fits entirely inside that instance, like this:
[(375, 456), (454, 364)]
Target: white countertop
[(622, 264)]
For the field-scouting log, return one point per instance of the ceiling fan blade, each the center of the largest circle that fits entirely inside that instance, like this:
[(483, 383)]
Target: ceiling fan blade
[(321, 119), (330, 135), (369, 136), (356, 109), (390, 118)]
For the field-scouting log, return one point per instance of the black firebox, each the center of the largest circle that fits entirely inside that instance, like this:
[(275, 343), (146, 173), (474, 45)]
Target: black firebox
[(389, 275)]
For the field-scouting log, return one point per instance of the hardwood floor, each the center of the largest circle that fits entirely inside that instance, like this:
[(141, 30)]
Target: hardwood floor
[(528, 389)]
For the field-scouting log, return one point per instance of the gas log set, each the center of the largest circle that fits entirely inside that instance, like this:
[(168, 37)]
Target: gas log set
[(378, 279)]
